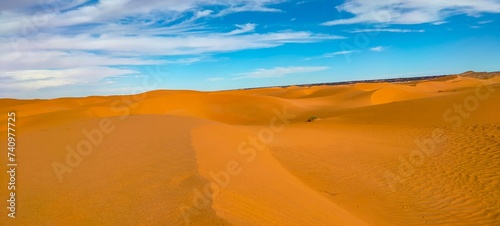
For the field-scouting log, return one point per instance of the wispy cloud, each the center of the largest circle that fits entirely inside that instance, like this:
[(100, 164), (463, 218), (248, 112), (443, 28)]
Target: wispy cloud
[(330, 55), (165, 45), (56, 13), (377, 49), (249, 6), (394, 30), (345, 52), (56, 59), (204, 13), (243, 28), (440, 22), (409, 11), (38, 79), (485, 22), (278, 72)]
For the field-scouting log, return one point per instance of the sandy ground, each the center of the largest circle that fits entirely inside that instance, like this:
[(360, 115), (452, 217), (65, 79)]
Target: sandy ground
[(417, 153)]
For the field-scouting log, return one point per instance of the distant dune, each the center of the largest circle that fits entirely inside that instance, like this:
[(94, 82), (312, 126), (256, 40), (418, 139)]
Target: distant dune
[(422, 151)]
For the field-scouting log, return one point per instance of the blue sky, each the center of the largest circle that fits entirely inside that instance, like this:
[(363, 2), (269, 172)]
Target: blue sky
[(59, 48)]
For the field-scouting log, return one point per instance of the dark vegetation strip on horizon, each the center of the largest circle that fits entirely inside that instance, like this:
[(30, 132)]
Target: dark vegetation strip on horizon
[(471, 74)]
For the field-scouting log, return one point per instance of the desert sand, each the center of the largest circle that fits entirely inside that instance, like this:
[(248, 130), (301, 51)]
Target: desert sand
[(423, 152)]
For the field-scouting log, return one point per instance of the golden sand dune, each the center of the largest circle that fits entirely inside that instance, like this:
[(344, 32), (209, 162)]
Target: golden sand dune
[(423, 152)]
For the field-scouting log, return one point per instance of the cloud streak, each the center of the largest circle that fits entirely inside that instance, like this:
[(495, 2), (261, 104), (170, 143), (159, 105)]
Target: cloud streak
[(166, 45), (330, 55), (20, 81), (245, 28), (377, 49), (393, 30), (278, 72), (410, 11)]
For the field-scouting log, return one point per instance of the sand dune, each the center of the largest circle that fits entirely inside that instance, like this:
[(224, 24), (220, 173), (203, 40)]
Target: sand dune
[(418, 153)]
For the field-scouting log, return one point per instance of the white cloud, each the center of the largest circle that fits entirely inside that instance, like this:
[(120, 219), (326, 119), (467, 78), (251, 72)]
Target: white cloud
[(345, 52), (249, 6), (330, 55), (411, 11), (164, 45), (37, 79), (54, 59), (244, 28), (112, 11), (485, 22), (377, 49), (440, 22), (387, 30), (19, 4), (279, 72), (183, 60), (203, 13)]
